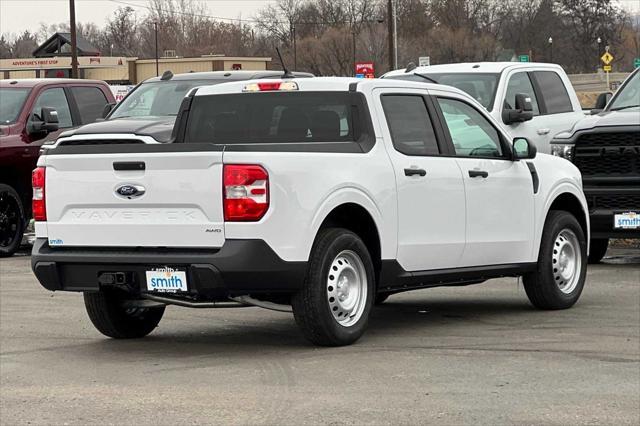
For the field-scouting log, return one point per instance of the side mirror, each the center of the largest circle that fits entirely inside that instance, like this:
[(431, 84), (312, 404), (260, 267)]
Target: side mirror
[(107, 109), (601, 102), (522, 112), (45, 123), (523, 149)]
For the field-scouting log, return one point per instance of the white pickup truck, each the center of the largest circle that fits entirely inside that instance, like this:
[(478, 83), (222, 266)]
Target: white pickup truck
[(321, 196), (533, 100)]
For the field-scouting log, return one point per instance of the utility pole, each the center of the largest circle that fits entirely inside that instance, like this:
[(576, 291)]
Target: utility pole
[(391, 30), (155, 28), (353, 33), (295, 50), (74, 43)]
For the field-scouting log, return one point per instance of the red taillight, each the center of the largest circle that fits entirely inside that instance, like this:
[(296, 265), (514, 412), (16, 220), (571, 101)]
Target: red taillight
[(246, 192), (38, 205)]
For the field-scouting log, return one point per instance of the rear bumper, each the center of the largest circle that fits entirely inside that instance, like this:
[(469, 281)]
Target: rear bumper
[(238, 267)]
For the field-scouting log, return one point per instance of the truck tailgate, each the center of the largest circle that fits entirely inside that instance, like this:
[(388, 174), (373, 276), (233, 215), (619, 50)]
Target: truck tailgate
[(177, 200)]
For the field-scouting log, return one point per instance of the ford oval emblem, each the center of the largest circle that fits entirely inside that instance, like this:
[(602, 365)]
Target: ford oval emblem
[(130, 191)]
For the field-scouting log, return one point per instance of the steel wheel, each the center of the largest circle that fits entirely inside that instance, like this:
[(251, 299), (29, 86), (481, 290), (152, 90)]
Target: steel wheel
[(567, 261), (347, 288), (10, 219)]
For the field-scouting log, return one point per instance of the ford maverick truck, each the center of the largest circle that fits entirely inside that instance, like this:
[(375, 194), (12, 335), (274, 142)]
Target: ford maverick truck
[(320, 196)]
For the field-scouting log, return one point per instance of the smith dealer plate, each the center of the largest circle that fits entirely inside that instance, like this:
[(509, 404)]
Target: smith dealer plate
[(166, 280), (630, 220)]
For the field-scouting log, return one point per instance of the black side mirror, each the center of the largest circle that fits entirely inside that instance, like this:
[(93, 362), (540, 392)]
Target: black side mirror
[(45, 123), (601, 102), (523, 149), (522, 112), (107, 109)]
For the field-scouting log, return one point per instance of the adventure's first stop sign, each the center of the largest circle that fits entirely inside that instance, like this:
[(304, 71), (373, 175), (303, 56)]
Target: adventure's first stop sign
[(365, 70)]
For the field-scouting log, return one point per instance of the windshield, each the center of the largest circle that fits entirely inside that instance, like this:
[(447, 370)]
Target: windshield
[(157, 98), (481, 87), (11, 102), (628, 98)]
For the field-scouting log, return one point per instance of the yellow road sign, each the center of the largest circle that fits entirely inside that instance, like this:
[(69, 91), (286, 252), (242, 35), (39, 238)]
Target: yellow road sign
[(607, 58), (607, 68)]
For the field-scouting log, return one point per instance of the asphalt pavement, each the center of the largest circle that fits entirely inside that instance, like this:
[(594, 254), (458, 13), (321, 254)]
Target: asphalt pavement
[(471, 355)]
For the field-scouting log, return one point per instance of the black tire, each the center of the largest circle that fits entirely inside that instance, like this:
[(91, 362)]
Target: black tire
[(381, 298), (113, 320), (597, 249), (543, 287), (311, 305), (12, 221)]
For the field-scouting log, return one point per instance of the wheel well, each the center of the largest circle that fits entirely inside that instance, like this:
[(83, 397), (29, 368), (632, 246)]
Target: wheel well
[(357, 219), (570, 203)]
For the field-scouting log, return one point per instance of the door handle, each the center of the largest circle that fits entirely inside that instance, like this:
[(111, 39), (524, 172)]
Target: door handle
[(412, 172), (478, 173), (543, 131), (129, 165)]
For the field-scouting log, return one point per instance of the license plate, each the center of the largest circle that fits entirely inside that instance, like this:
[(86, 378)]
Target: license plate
[(630, 220), (166, 280)]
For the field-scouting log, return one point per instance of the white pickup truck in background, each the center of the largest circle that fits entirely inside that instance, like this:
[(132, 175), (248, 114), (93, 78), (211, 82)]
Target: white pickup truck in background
[(318, 195), (549, 104)]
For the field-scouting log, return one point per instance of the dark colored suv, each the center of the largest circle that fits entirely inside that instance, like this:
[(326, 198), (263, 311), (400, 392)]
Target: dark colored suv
[(150, 109), (606, 148), (32, 111)]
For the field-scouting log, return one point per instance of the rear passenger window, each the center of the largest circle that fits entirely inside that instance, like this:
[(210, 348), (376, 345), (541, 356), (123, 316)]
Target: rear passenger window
[(91, 102), (555, 96), (409, 124)]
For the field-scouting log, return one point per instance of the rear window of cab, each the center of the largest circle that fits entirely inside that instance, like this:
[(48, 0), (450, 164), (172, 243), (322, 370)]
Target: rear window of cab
[(275, 117)]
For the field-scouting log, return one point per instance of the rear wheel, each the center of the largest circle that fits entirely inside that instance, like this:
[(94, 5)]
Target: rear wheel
[(558, 281), (597, 249), (112, 318), (12, 221), (333, 307)]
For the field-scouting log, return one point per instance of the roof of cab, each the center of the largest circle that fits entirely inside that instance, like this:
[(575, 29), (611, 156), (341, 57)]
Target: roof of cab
[(227, 75), (476, 67), (33, 82), (327, 84)]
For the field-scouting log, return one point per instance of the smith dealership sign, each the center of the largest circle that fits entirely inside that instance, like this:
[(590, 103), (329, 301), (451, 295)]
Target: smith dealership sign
[(61, 62)]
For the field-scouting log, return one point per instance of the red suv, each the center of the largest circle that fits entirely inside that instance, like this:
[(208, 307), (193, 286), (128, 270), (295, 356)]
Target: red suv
[(30, 111)]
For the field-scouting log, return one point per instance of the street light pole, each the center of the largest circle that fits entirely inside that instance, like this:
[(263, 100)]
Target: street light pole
[(74, 42), (155, 28), (599, 40), (551, 49)]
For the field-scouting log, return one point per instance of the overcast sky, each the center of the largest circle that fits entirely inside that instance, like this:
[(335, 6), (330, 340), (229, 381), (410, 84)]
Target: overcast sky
[(18, 15)]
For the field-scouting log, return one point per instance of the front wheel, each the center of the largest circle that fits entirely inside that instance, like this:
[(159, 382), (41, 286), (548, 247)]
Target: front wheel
[(333, 306), (111, 317), (12, 221), (562, 268)]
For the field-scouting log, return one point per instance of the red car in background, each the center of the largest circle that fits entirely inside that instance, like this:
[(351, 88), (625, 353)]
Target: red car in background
[(31, 111)]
